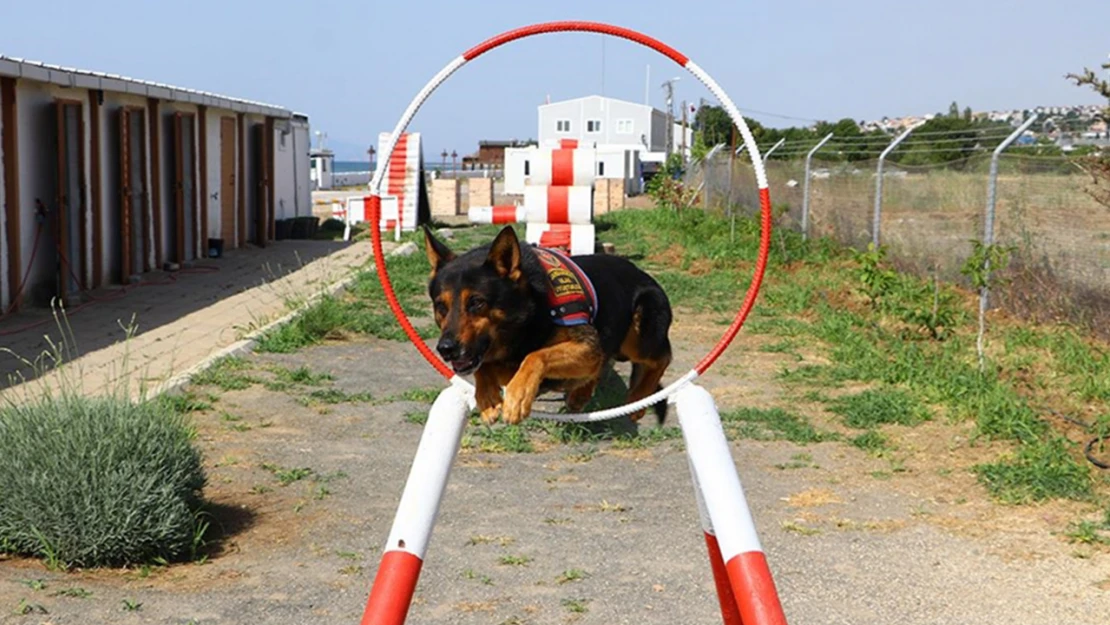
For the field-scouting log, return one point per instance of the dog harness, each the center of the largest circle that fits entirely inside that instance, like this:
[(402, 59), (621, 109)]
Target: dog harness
[(570, 294)]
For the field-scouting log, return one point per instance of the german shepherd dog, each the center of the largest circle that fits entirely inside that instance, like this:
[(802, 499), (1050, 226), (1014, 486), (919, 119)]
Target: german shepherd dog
[(493, 308)]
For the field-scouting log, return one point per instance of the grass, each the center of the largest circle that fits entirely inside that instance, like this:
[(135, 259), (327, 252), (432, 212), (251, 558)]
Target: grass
[(912, 340), (362, 308)]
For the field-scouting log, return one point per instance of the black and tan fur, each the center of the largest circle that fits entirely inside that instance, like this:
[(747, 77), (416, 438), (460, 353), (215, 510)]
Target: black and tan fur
[(491, 307)]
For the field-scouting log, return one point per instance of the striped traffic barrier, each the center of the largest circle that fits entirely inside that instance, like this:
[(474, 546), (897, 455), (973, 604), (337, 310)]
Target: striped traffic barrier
[(504, 214), (559, 204), (578, 239), (564, 167)]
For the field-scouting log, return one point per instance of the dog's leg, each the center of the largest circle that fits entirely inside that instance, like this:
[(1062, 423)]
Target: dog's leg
[(651, 372), (568, 360), (487, 394), (579, 396)]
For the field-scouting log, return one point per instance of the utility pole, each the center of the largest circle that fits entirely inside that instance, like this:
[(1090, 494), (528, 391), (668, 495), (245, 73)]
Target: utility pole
[(684, 130), (669, 86)]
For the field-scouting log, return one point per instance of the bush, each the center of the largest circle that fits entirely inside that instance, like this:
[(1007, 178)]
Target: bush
[(98, 481)]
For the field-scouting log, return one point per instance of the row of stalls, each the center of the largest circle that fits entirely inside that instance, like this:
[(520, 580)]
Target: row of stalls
[(105, 178)]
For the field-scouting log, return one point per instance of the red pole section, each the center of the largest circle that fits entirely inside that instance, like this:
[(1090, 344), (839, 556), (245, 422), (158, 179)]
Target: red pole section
[(374, 204), (395, 581), (716, 478)]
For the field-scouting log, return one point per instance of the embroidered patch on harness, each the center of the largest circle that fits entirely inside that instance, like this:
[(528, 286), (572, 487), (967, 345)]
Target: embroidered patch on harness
[(570, 295)]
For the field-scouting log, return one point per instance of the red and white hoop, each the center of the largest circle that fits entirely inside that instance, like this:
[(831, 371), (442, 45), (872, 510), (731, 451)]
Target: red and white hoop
[(374, 202)]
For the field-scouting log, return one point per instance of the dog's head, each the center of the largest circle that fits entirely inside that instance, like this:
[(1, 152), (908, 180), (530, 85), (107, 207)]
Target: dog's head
[(478, 298)]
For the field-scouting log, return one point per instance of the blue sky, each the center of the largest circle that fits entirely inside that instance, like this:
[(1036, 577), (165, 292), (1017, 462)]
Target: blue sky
[(353, 66)]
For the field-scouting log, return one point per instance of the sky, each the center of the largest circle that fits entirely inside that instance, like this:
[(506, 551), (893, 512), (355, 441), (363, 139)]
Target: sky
[(352, 67)]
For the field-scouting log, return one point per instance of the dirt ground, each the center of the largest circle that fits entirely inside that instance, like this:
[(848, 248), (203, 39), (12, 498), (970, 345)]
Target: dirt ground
[(578, 533)]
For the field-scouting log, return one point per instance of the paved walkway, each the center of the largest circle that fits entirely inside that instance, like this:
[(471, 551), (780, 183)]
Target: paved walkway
[(178, 321)]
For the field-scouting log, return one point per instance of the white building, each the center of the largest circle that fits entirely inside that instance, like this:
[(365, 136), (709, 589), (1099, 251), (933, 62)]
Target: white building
[(104, 178), (626, 135), (612, 123)]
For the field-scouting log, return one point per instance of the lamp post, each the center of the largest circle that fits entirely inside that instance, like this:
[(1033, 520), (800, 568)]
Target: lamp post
[(443, 166), (454, 164), (370, 153)]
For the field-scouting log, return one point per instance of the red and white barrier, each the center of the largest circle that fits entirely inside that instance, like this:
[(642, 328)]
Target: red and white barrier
[(733, 541), (559, 204), (564, 167), (504, 214), (578, 239), (395, 581)]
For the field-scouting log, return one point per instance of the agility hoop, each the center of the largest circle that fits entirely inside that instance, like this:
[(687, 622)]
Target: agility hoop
[(373, 203)]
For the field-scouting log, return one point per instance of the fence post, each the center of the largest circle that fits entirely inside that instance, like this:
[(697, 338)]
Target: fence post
[(988, 231), (705, 167), (805, 186), (879, 184), (767, 154)]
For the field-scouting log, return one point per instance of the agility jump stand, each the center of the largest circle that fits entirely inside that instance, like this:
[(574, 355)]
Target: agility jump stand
[(745, 588), (405, 197), (558, 200)]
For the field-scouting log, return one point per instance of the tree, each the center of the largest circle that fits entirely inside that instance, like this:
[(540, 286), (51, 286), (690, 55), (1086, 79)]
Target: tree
[(967, 114), (714, 125), (954, 110), (1097, 165)]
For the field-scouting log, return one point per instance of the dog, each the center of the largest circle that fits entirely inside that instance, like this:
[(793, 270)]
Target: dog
[(533, 320)]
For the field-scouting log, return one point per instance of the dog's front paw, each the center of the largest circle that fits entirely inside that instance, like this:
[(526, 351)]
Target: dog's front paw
[(489, 415), (518, 403)]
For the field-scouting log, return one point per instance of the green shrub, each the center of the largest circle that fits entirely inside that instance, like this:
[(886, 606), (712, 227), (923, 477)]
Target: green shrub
[(98, 481), (875, 407)]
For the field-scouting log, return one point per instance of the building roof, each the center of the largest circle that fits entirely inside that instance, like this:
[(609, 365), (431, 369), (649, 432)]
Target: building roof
[(86, 79), (502, 143), (597, 97)]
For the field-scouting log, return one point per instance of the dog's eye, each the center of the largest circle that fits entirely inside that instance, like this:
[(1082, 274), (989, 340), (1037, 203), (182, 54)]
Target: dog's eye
[(441, 308), (475, 304)]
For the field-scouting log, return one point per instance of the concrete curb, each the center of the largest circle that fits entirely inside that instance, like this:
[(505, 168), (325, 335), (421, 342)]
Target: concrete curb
[(248, 343)]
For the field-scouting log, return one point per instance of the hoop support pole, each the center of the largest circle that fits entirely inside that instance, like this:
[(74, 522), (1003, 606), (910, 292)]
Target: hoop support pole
[(730, 608), (403, 557), (715, 477)]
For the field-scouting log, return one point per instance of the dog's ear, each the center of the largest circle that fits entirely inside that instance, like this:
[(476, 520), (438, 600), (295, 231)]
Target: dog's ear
[(438, 253), (504, 254)]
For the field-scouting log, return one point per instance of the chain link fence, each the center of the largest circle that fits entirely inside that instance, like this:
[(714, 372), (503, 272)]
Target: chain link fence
[(930, 215)]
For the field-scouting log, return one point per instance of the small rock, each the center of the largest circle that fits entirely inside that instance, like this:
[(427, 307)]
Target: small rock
[(608, 248), (408, 249), (445, 233)]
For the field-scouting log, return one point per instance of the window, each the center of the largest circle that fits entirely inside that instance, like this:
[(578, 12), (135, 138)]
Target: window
[(600, 169), (562, 125), (593, 125), (624, 126), (527, 168)]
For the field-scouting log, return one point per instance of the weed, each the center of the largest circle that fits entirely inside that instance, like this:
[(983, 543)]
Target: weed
[(75, 592), (416, 417), (130, 605), (511, 560), (472, 575), (1039, 471), (798, 461), (873, 442), (771, 424), (571, 575), (24, 608), (504, 439), (577, 606), (229, 374), (876, 407), (286, 476), (798, 528), (876, 279), (1088, 533), (481, 539)]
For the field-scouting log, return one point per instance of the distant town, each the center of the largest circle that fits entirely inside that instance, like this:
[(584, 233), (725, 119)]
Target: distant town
[(1068, 126)]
